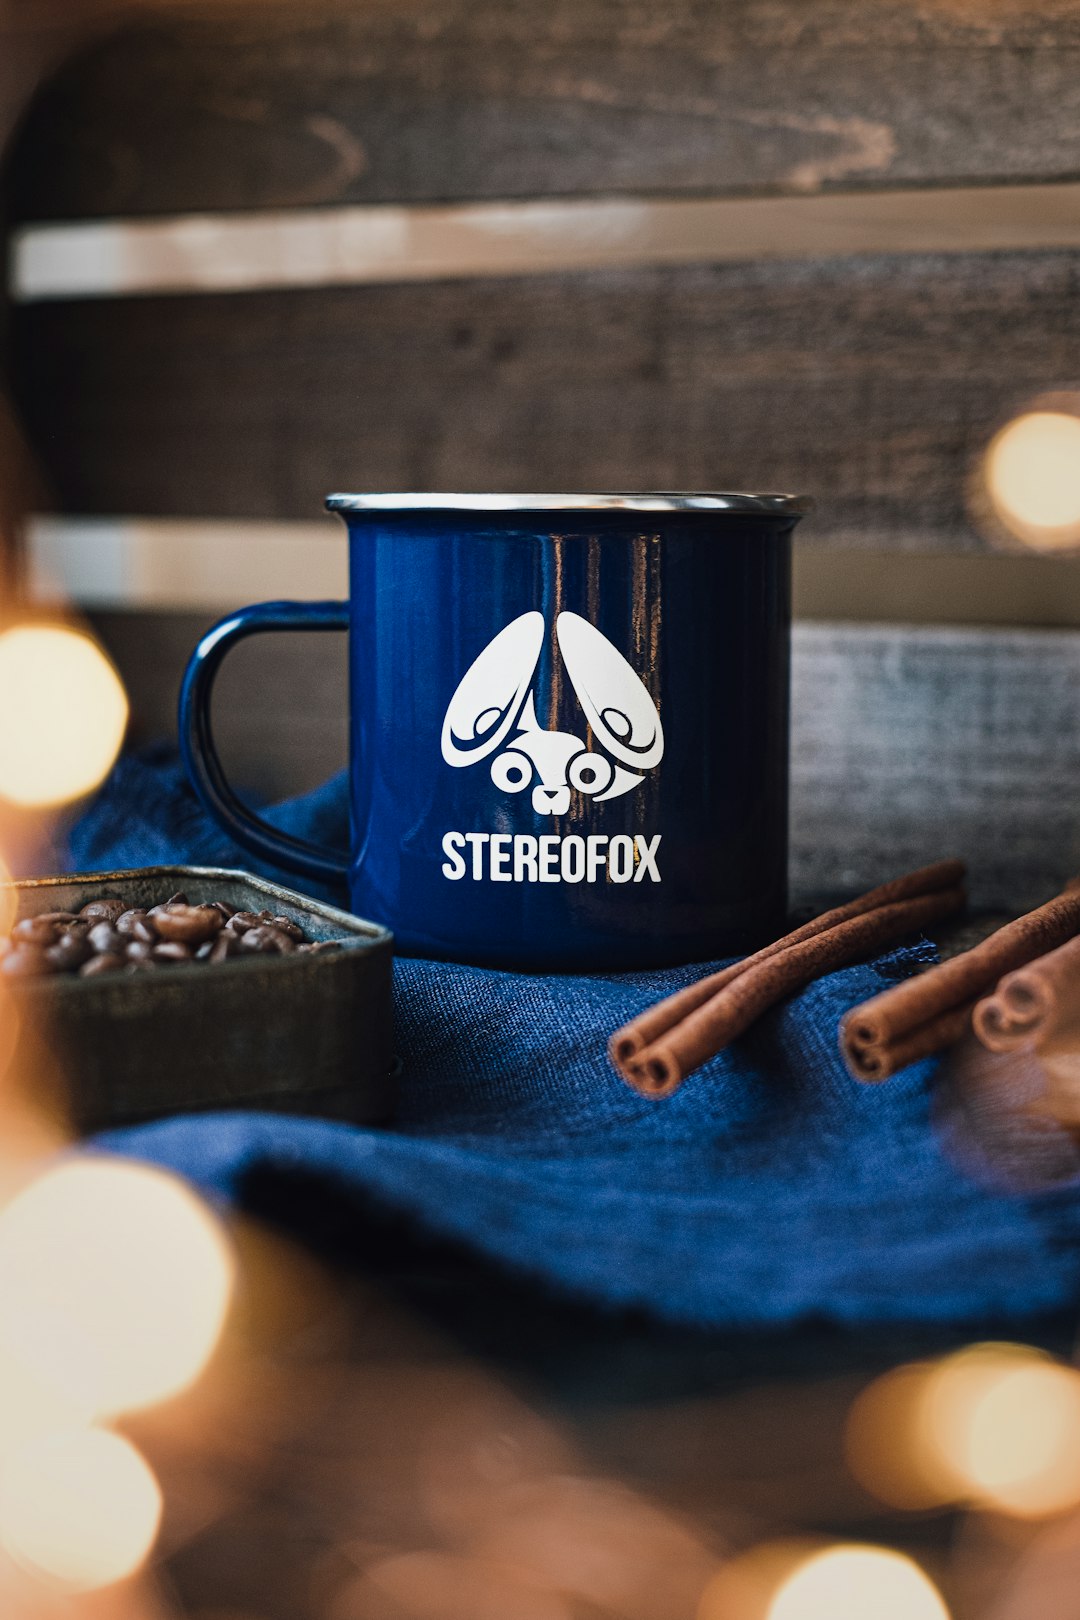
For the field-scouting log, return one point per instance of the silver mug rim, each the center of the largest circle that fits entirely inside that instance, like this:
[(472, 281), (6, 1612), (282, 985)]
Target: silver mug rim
[(704, 502)]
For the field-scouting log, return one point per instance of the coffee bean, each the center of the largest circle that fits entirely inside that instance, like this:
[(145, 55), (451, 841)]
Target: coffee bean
[(63, 922), (188, 925), (104, 938), (107, 936), (27, 961), (104, 910), (108, 962), (125, 923), (69, 952), (266, 941), (285, 925), (240, 921), (35, 931)]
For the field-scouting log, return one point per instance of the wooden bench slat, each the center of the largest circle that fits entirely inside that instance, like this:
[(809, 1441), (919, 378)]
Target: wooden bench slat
[(909, 744), (429, 100), (872, 384)]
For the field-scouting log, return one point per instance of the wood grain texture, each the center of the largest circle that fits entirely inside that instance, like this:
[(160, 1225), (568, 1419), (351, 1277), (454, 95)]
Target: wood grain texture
[(427, 100), (872, 384), (911, 744), (908, 744), (206, 567), (280, 705)]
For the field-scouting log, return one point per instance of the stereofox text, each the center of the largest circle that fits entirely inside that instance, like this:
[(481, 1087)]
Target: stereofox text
[(522, 858)]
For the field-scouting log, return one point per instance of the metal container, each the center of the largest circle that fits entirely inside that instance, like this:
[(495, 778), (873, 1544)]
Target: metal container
[(304, 1034)]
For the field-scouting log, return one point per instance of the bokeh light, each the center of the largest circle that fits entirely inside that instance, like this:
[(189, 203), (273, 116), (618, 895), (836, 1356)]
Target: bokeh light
[(63, 715), (447, 1586), (79, 1506), (744, 1587), (1003, 1422), (1032, 478), (9, 900), (884, 1441), (115, 1280), (855, 1583), (9, 1028), (997, 1425), (30, 1405)]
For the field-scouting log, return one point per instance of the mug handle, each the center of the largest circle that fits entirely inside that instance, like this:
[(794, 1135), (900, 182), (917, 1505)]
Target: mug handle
[(200, 753)]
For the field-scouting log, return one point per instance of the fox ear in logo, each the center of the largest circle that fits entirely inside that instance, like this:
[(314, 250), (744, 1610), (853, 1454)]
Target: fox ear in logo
[(492, 692), (493, 711), (616, 702)]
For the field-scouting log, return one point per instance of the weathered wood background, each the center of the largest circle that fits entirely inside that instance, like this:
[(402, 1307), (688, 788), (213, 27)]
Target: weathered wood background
[(874, 383), (872, 380), (286, 104)]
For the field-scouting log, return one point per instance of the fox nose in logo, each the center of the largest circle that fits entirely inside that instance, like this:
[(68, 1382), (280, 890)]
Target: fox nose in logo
[(551, 801)]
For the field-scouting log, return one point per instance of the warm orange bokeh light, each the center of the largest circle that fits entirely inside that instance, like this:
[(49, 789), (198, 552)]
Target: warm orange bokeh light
[(884, 1440), (115, 1280), (30, 1405), (1032, 477), (997, 1425), (806, 1580), (855, 1583), (9, 901), (1002, 1422), (744, 1587), (78, 1506), (9, 1030), (63, 713)]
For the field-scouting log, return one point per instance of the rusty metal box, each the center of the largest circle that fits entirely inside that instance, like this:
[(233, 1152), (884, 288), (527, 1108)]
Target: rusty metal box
[(305, 1034)]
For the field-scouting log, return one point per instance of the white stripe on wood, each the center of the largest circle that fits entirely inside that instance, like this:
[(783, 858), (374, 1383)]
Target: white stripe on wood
[(193, 566), (163, 564), (348, 246)]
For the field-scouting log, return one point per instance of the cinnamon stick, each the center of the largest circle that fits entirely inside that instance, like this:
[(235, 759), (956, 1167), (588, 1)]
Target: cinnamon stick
[(1037, 1005), (871, 1063), (648, 1026), (872, 1035), (660, 1068)]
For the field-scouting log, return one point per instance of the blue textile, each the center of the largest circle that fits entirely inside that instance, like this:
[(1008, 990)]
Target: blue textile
[(771, 1188)]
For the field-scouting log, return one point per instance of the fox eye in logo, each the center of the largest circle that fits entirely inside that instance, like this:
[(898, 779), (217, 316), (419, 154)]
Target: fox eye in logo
[(493, 711)]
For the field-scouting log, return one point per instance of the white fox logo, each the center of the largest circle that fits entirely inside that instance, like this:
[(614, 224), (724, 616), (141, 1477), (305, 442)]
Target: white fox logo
[(495, 705)]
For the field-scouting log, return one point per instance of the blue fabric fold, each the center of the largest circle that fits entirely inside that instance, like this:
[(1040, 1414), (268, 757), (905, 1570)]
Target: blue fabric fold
[(771, 1189)]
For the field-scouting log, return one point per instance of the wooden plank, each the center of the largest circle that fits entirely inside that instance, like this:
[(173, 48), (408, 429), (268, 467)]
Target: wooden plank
[(872, 384), (280, 707), (1018, 589), (908, 744), (166, 566), (427, 100), (192, 567), (349, 246)]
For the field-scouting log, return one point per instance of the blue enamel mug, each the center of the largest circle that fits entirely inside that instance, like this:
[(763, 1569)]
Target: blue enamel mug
[(569, 725)]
